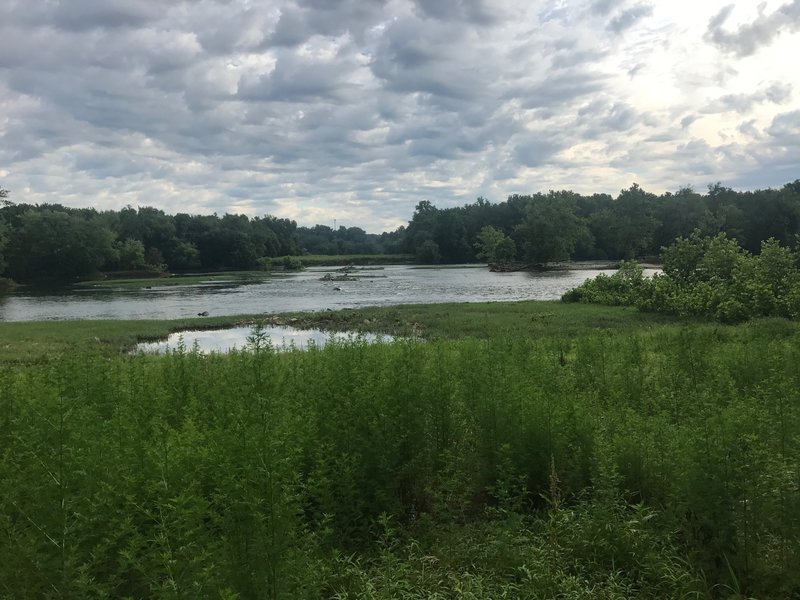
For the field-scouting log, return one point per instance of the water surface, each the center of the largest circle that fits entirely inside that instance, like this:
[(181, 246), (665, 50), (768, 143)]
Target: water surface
[(304, 291), (225, 340)]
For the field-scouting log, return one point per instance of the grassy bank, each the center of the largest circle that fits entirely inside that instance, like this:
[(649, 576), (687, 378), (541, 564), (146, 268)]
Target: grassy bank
[(22, 342), (42, 341), (340, 260), (530, 450)]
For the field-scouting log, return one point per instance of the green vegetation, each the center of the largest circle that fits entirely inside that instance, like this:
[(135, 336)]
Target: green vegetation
[(327, 260), (711, 277), (551, 228), (562, 225), (482, 320), (54, 242), (530, 450), (494, 245), (282, 263), (40, 341), (27, 342)]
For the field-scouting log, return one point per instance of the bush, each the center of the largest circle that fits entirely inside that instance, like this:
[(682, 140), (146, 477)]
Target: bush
[(627, 287), (709, 277)]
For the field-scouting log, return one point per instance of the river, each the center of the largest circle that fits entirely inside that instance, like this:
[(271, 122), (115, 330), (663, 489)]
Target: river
[(304, 291)]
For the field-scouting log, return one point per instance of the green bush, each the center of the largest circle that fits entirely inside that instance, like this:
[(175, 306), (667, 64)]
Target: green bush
[(711, 277), (627, 287)]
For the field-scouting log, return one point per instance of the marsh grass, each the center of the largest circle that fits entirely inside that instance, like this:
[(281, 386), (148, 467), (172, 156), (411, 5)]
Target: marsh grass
[(646, 460), (31, 341), (24, 342)]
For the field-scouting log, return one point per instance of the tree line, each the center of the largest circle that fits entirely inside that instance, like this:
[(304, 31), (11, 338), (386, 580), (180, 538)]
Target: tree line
[(53, 241), (563, 225)]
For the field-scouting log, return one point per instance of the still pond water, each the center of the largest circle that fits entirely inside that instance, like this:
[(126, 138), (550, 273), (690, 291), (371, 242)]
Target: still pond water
[(305, 291), (280, 338)]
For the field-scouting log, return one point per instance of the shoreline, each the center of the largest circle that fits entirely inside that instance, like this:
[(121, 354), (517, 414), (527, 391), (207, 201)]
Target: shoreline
[(581, 265)]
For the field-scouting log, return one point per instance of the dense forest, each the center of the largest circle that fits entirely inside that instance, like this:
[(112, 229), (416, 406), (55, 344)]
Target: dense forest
[(54, 241), (565, 225)]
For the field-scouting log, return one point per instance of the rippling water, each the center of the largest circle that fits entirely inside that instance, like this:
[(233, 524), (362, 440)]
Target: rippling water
[(305, 291)]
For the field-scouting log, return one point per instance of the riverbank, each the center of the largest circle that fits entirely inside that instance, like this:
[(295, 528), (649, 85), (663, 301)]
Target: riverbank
[(585, 265), (35, 341)]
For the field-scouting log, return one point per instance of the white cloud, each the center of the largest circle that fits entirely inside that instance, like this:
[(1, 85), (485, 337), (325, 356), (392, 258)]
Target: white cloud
[(356, 110)]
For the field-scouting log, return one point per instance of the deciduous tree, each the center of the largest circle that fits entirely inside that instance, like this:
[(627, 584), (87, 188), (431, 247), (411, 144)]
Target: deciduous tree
[(493, 245)]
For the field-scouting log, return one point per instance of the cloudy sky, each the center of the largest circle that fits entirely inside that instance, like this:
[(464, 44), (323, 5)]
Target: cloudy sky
[(356, 110)]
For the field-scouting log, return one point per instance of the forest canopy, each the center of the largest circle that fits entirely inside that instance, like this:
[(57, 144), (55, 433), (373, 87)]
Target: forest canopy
[(51, 241)]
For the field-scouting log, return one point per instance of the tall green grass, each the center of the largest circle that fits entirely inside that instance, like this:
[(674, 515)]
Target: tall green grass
[(634, 463)]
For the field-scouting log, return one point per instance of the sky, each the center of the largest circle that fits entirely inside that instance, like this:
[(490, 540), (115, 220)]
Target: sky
[(350, 112)]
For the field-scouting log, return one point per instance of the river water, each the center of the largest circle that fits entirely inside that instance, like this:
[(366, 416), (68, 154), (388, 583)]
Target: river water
[(304, 291)]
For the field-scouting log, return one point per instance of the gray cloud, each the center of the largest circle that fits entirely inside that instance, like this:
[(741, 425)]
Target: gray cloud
[(535, 150), (785, 130), (776, 93), (749, 38), (80, 15), (561, 88), (300, 21), (84, 15), (309, 108), (688, 120), (604, 7), (629, 17), (296, 78), (474, 11), (771, 156), (424, 56)]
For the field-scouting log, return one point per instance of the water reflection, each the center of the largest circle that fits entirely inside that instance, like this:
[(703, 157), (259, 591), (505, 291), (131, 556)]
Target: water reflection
[(225, 340)]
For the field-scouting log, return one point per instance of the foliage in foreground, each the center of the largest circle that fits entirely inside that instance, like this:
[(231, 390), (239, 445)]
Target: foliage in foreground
[(710, 277), (583, 467)]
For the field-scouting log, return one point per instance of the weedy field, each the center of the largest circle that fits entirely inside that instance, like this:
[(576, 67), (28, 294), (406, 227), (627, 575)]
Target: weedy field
[(530, 450)]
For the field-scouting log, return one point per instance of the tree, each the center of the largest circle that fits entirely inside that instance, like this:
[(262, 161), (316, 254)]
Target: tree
[(128, 256), (3, 244), (149, 225), (422, 227), (428, 252), (635, 223), (551, 228), (679, 214), (183, 255), (493, 245), (57, 244), (3, 231), (451, 236), (702, 259)]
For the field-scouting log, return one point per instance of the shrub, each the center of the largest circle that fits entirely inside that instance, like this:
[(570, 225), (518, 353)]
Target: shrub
[(709, 277)]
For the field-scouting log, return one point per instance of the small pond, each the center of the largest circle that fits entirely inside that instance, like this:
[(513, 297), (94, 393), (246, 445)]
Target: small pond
[(225, 340)]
